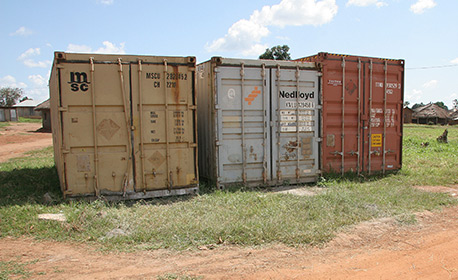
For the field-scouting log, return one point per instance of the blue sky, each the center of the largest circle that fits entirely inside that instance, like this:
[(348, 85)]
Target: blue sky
[(423, 32)]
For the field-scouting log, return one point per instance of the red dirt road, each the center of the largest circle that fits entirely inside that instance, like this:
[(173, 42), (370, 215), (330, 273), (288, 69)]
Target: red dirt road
[(19, 138), (379, 249)]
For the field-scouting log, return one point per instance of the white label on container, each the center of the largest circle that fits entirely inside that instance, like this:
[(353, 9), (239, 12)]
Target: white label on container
[(302, 104), (335, 82), (293, 128), (293, 118), (388, 85), (293, 112)]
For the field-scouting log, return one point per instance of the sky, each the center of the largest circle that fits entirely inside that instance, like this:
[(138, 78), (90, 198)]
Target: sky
[(422, 32)]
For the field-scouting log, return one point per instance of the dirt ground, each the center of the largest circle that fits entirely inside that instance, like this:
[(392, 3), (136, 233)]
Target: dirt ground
[(19, 138), (380, 249)]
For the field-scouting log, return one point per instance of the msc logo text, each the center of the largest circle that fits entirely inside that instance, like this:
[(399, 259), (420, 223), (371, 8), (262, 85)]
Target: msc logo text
[(78, 81)]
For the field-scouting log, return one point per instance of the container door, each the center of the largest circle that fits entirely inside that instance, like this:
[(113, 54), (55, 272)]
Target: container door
[(295, 115), (383, 109), (242, 117), (343, 119), (362, 105), (165, 146), (96, 128)]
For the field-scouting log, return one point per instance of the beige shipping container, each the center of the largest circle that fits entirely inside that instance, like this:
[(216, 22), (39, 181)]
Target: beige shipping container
[(124, 126)]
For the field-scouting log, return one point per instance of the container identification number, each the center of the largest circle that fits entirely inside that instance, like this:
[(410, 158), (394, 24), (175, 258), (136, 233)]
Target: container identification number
[(177, 76)]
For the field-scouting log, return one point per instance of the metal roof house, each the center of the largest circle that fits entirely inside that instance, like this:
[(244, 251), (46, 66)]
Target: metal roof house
[(45, 110), (26, 109)]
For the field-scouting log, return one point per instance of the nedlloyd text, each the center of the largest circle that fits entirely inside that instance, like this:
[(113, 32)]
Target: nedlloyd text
[(295, 94)]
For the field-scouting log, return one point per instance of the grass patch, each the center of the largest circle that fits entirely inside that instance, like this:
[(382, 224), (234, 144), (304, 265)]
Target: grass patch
[(30, 120), (3, 125), (14, 270), (237, 216)]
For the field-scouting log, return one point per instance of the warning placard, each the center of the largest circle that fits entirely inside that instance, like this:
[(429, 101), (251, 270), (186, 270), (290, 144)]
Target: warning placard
[(376, 140)]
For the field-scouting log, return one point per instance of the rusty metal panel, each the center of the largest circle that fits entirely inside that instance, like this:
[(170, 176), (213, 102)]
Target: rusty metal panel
[(125, 125), (238, 120), (362, 112)]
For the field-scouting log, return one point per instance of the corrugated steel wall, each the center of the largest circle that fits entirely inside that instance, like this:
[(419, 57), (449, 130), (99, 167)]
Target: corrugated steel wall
[(248, 125), (124, 126)]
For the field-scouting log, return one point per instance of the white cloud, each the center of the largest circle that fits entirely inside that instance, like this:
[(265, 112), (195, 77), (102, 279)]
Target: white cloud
[(414, 96), (106, 2), (421, 5), (40, 64), (22, 31), (108, 47), (25, 57), (365, 3), (245, 36), (38, 80), (430, 84), (28, 53), (10, 81), (454, 61), (78, 48), (39, 88)]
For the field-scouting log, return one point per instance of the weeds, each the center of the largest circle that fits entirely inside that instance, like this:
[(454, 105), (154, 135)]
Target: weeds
[(237, 215)]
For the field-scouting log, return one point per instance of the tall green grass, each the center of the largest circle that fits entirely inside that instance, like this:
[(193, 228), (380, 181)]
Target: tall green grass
[(242, 217)]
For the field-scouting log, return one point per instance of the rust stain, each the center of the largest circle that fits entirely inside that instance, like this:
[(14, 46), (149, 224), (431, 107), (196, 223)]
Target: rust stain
[(176, 89), (291, 147)]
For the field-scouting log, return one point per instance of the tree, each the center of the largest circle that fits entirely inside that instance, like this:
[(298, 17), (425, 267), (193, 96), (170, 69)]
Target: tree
[(24, 99), (416, 105), (9, 96), (277, 53), (442, 105), (406, 104)]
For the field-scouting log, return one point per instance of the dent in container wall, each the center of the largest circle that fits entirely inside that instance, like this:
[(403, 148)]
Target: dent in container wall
[(362, 112), (124, 126), (258, 121)]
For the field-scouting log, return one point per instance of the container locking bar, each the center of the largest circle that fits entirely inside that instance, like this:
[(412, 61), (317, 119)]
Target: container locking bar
[(298, 173), (242, 75), (94, 131), (264, 113), (167, 144), (343, 117), (142, 149), (371, 66), (125, 102), (359, 118), (385, 68), (278, 125)]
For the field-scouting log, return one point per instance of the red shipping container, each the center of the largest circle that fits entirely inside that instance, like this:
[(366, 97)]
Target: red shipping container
[(362, 101)]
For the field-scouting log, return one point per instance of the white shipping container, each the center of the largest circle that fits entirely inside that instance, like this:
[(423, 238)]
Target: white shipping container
[(247, 121)]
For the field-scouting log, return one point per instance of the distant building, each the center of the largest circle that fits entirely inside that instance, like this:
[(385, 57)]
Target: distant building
[(8, 114), (430, 114), (26, 108), (45, 110), (407, 115), (453, 117)]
